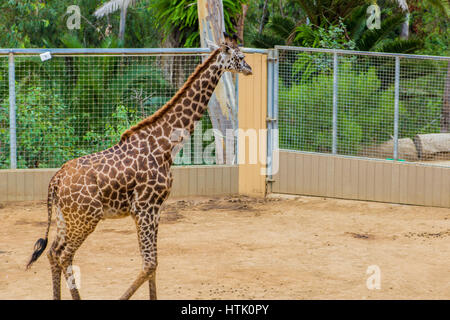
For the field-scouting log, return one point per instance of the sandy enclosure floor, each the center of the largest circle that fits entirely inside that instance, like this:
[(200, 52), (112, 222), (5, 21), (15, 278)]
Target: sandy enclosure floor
[(243, 248)]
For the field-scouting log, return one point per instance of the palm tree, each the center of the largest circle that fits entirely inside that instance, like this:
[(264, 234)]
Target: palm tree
[(441, 5), (111, 7)]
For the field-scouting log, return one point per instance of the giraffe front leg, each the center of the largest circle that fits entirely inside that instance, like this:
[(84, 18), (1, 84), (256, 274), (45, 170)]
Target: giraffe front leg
[(147, 230), (152, 288)]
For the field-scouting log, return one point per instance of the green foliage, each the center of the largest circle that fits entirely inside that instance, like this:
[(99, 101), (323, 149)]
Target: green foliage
[(365, 109), (332, 37), (180, 19), (44, 133), (122, 119), (42, 24)]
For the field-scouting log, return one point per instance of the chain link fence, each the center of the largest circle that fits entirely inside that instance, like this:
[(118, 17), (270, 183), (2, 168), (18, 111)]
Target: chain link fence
[(72, 105), (364, 104)]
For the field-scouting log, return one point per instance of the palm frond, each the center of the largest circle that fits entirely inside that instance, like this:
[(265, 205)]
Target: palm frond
[(442, 5), (402, 4), (112, 6), (371, 38), (401, 46), (282, 26)]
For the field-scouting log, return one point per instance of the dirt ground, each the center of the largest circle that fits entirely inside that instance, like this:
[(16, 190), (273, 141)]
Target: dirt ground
[(244, 248)]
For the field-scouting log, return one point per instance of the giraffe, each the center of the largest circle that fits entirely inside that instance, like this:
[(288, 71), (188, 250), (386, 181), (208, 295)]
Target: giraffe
[(131, 178)]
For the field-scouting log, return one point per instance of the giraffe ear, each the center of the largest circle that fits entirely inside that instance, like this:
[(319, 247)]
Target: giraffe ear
[(234, 40)]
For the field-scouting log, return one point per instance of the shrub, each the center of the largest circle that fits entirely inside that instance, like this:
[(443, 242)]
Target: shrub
[(44, 135)]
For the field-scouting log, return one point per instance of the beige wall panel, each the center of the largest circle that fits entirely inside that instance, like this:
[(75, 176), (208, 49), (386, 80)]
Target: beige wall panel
[(429, 186), (12, 186), (353, 178), (387, 181), (28, 187), (307, 173), (437, 187), (192, 181), (201, 181), (354, 169), (323, 175), (235, 180), (283, 172), (395, 183), (362, 181), (330, 177), (445, 191), (411, 186), (210, 184), (292, 175), (32, 184), (346, 179), (404, 183), (3, 186), (420, 185), (314, 175), (338, 190), (299, 174), (370, 181)]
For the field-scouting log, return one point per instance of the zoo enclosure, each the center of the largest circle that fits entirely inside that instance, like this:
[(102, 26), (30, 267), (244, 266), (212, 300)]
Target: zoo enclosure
[(342, 122), (361, 125)]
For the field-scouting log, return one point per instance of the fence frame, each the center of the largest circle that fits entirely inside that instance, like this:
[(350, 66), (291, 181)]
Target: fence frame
[(30, 184), (11, 53)]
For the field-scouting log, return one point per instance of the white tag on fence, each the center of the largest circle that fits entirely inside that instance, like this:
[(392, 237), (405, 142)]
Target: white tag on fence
[(45, 56)]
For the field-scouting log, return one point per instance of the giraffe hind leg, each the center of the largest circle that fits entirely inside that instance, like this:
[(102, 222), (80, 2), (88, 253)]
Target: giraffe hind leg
[(60, 258), (69, 238)]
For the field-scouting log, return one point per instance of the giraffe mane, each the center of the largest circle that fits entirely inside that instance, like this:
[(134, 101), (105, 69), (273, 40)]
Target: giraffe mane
[(161, 111)]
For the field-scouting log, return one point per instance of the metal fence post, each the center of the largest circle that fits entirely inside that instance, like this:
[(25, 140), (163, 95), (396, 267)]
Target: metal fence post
[(396, 105), (272, 115), (270, 67), (335, 102), (12, 112)]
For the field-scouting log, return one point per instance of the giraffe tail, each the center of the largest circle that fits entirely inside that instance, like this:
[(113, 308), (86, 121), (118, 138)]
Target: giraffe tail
[(41, 244)]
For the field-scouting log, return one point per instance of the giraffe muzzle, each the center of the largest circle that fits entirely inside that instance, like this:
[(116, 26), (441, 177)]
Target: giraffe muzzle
[(247, 70)]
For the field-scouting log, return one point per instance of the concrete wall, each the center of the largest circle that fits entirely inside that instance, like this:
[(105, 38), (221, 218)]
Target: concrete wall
[(361, 179), (32, 184)]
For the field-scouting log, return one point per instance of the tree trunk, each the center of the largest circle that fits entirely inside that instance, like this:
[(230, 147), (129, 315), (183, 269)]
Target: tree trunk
[(433, 146), (123, 18), (445, 114), (240, 23), (404, 34), (171, 65), (222, 107), (263, 16)]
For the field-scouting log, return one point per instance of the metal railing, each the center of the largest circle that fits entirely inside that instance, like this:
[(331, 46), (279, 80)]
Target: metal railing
[(364, 104), (81, 100)]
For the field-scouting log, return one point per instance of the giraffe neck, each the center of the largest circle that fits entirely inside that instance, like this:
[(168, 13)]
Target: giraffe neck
[(177, 118)]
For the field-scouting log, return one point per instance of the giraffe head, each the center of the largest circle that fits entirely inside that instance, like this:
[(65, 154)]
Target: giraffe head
[(231, 57)]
